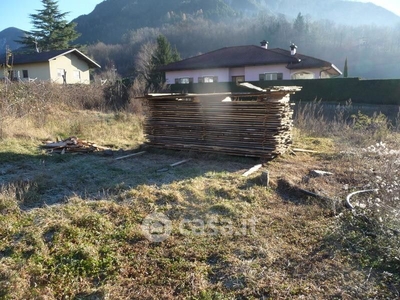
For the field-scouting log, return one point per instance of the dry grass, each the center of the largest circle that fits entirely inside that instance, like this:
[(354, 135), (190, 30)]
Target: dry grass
[(32, 112), (71, 225)]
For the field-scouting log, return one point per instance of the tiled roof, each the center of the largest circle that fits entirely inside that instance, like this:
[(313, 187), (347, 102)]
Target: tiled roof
[(30, 58), (239, 56)]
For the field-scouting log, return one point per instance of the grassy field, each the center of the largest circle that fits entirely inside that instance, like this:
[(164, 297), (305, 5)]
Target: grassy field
[(84, 226)]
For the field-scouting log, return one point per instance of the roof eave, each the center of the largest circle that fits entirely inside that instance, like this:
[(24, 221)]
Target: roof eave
[(218, 67), (336, 69), (91, 62)]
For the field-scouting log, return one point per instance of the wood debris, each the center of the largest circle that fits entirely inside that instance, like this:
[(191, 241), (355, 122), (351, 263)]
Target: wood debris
[(304, 150), (180, 162), (252, 170), (72, 144), (319, 173), (174, 165), (255, 124), (130, 155)]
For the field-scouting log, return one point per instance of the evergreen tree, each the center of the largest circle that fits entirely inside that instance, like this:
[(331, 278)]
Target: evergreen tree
[(345, 70), (300, 25), (51, 30), (163, 55)]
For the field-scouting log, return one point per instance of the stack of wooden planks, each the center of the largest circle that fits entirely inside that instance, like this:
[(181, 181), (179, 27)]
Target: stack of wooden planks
[(256, 124), (71, 144)]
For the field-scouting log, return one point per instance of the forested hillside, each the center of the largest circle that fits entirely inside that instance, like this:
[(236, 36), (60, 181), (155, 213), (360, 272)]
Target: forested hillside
[(120, 33), (111, 19), (369, 49)]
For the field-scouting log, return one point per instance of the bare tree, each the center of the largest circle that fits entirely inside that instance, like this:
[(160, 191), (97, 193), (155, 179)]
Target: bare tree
[(144, 67)]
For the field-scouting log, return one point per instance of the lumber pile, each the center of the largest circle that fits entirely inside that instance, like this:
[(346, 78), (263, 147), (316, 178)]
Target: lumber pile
[(256, 124), (71, 144)]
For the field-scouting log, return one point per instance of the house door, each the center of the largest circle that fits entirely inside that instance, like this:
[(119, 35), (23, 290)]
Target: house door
[(238, 79)]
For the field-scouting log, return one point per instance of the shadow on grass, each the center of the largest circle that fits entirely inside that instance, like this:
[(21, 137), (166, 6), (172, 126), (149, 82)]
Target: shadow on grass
[(38, 180), (289, 193)]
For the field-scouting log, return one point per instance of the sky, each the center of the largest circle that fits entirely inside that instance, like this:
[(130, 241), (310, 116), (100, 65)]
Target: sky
[(392, 5), (18, 15)]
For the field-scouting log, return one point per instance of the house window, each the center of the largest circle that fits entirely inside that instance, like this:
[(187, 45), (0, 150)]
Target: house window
[(25, 74), (238, 79), (60, 73), (271, 76), (208, 79), (77, 74), (184, 80)]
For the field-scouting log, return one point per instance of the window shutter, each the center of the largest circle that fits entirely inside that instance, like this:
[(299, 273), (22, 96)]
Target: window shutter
[(201, 80), (262, 77), (176, 80), (280, 76), (215, 79)]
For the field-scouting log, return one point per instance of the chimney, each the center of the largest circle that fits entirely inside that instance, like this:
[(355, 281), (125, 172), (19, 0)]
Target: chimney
[(293, 48), (264, 44)]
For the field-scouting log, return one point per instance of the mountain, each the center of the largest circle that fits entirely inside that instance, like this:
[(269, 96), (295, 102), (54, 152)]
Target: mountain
[(339, 11), (111, 19), (8, 37)]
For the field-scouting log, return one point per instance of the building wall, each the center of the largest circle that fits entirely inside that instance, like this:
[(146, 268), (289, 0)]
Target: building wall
[(237, 72), (223, 75), (296, 74), (77, 70), (38, 71), (251, 73)]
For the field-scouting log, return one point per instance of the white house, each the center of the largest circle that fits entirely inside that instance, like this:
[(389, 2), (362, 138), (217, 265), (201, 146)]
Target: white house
[(59, 66), (248, 63)]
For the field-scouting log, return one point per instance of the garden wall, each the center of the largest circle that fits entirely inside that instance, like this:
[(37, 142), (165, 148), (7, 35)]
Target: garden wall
[(338, 90)]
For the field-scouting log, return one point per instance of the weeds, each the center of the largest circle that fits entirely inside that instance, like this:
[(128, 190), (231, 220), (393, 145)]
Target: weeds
[(377, 126), (38, 105), (317, 119), (71, 225), (370, 233)]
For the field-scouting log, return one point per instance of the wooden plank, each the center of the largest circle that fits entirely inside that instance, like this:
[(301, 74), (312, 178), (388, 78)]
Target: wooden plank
[(252, 170), (252, 124), (180, 162), (130, 155), (304, 150)]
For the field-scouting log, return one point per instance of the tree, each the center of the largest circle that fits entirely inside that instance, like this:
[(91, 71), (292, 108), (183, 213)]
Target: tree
[(162, 55), (144, 68), (51, 30), (345, 69), (300, 25)]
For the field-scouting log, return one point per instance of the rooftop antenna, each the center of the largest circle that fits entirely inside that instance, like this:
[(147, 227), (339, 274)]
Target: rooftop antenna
[(36, 45)]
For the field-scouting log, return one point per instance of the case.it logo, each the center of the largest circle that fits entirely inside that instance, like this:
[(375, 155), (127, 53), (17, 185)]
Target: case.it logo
[(156, 227)]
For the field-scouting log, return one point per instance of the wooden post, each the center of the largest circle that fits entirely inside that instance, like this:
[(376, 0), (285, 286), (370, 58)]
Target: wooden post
[(264, 178)]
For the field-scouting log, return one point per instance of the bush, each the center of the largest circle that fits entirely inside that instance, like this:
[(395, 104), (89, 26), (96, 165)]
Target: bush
[(377, 126)]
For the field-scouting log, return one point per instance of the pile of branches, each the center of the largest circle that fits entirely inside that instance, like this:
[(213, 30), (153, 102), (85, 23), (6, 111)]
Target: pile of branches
[(72, 144)]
